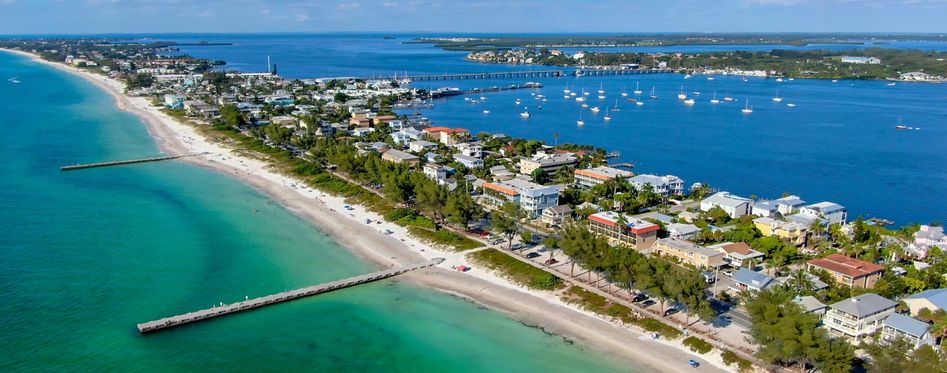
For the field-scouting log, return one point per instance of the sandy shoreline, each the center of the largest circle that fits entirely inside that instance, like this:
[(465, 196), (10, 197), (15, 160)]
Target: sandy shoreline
[(326, 212)]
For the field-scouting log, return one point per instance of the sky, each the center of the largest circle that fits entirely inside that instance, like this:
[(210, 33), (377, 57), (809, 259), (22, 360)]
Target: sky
[(555, 16)]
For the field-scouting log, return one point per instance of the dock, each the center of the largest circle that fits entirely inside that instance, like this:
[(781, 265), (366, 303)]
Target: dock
[(124, 162), (249, 304)]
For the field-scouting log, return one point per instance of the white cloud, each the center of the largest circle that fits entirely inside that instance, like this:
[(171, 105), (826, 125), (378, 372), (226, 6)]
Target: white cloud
[(349, 6)]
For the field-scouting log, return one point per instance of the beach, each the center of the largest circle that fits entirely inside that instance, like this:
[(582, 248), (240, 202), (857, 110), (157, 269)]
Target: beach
[(540, 309)]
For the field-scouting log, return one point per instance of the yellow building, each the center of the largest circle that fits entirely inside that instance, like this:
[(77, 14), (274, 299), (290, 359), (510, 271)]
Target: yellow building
[(792, 232)]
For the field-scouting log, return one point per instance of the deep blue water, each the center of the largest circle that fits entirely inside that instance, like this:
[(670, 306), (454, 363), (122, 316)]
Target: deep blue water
[(838, 144)]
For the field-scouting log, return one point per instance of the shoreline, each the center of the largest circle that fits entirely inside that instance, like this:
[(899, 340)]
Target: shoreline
[(536, 308)]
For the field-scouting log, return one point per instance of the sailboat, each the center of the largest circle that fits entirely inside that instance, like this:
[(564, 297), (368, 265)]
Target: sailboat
[(518, 101), (567, 90), (525, 113), (580, 121), (714, 100), (653, 96), (710, 78), (601, 88), (616, 106), (746, 109), (637, 88), (901, 125), (594, 109), (777, 98), (682, 95), (607, 117), (624, 91), (689, 101), (486, 111)]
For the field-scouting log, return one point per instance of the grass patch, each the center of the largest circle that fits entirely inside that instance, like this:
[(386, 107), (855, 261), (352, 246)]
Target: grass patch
[(406, 217), (731, 358), (515, 270), (444, 238), (697, 345), (602, 306)]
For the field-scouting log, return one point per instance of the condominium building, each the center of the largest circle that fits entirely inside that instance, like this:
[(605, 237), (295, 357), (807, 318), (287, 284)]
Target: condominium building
[(531, 197), (547, 162), (667, 185), (734, 206), (638, 233), (688, 252), (830, 213), (592, 177)]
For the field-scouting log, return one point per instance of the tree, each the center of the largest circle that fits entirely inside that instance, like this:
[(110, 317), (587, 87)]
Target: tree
[(231, 116), (506, 221), (899, 355), (431, 198), (540, 176), (552, 244), (461, 208), (526, 237)]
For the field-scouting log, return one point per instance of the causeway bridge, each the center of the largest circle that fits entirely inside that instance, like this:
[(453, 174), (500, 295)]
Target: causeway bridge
[(124, 162), (249, 304), (528, 74)]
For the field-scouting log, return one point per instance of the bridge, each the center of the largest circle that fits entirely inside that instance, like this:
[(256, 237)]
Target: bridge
[(249, 304), (526, 74)]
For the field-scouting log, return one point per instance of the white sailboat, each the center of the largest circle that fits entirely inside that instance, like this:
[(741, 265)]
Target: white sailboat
[(616, 106), (746, 109), (525, 113), (594, 109), (580, 121), (714, 100), (567, 90), (638, 88), (607, 118), (777, 98), (624, 91), (653, 96), (689, 101), (585, 105), (682, 95), (639, 103), (791, 105), (486, 111), (601, 88)]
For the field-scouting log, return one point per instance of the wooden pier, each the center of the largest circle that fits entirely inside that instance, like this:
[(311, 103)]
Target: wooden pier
[(129, 161), (226, 309)]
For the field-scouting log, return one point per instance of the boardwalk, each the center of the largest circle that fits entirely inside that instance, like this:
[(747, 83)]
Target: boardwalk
[(170, 322), (124, 162)]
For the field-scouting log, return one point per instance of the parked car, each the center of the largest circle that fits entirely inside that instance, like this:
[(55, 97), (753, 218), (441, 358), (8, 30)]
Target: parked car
[(532, 255), (670, 311), (517, 246), (638, 298), (709, 277), (728, 273), (550, 262), (648, 303)]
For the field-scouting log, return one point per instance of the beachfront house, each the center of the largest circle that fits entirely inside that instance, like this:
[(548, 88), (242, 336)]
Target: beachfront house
[(531, 197), (898, 326), (791, 231), (848, 271), (447, 135), (734, 206), (932, 299), (858, 317), (738, 254), (828, 212), (623, 229), (688, 252), (556, 216), (667, 185), (591, 177)]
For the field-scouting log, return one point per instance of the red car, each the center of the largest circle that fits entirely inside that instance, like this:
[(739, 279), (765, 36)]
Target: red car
[(551, 262)]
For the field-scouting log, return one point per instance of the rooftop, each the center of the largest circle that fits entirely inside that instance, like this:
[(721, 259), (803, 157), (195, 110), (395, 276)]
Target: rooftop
[(726, 199), (752, 279), (864, 305), (937, 297), (845, 265), (907, 324), (604, 173), (688, 246), (637, 226)]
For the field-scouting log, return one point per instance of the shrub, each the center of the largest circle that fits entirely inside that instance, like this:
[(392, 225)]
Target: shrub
[(698, 345), (730, 358), (515, 270)]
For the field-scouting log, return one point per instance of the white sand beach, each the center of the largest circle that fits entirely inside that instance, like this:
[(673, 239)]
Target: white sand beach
[(538, 308)]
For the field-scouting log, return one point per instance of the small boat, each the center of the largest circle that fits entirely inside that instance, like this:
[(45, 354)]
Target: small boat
[(689, 101), (696, 93), (834, 80), (687, 76), (482, 98), (567, 90), (777, 98), (780, 80), (601, 88), (790, 105), (710, 78), (728, 98), (714, 100), (682, 95), (14, 80), (518, 101), (901, 125), (601, 97), (580, 121), (607, 118), (579, 99), (525, 113), (624, 92), (653, 96), (637, 88), (486, 111), (594, 109), (566, 97), (791, 79), (572, 94), (585, 105), (616, 106), (891, 84), (639, 103), (747, 109)]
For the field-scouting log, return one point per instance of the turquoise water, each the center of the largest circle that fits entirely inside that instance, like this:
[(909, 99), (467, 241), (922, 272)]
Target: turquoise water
[(86, 255)]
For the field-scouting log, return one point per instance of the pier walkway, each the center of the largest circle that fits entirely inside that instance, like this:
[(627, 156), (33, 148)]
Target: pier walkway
[(526, 74), (124, 162), (170, 322)]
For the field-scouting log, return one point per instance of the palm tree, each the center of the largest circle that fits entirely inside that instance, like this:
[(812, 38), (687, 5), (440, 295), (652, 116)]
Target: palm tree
[(555, 136), (802, 281)]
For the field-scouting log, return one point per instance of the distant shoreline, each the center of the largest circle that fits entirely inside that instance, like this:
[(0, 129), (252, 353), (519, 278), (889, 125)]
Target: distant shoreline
[(326, 213)]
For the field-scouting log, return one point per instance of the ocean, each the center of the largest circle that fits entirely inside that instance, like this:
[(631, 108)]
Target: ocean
[(839, 143), (86, 255)]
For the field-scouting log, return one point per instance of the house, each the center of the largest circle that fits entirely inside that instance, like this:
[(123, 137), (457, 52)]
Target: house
[(860, 60), (848, 271), (789, 204), (933, 299), (284, 121), (764, 208), (398, 156), (683, 231), (667, 185), (749, 280), (447, 135), (830, 213), (421, 146), (638, 233), (361, 131), (468, 161), (733, 205), (557, 215), (898, 326), (858, 317), (815, 281), (470, 149), (432, 157), (400, 138), (436, 172), (925, 238), (174, 101), (688, 216), (688, 252), (810, 304), (531, 197), (738, 254), (547, 162), (588, 178), (791, 231), (589, 206)]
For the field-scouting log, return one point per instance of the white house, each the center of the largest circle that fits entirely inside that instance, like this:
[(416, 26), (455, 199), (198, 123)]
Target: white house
[(683, 231), (858, 317), (435, 172), (734, 206), (468, 161), (421, 146), (831, 213), (898, 326), (531, 197), (470, 149), (667, 185)]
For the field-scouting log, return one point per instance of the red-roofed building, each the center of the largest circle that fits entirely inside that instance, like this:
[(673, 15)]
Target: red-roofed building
[(638, 233), (591, 177), (848, 271), (447, 135)]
